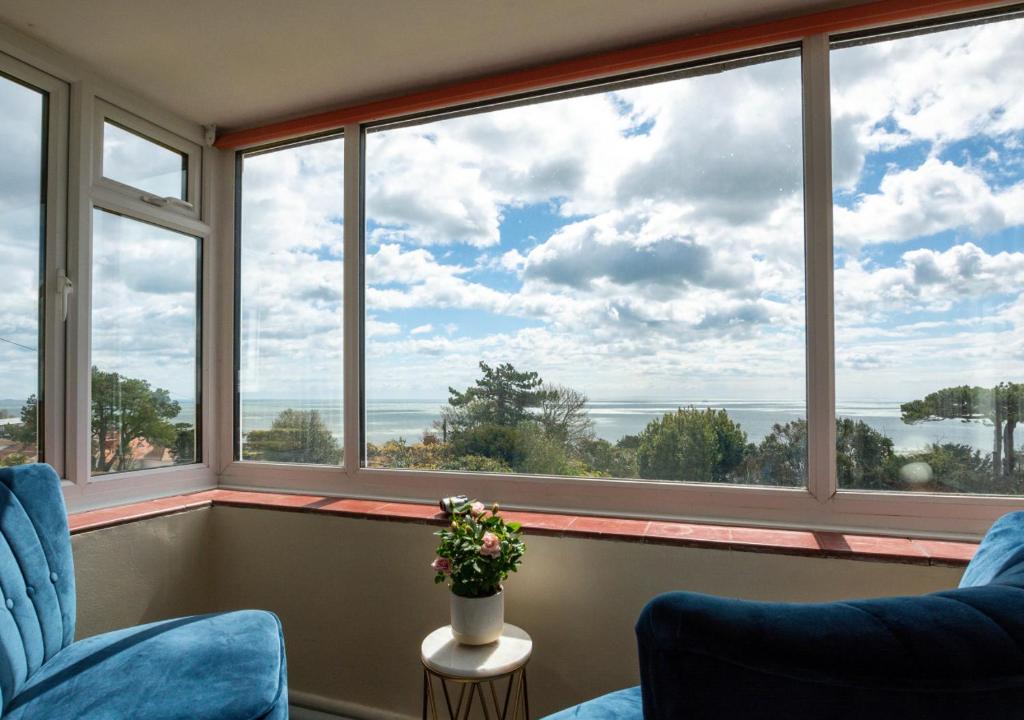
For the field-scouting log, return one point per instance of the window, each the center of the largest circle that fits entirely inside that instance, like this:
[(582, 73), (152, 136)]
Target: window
[(928, 165), (131, 159), (145, 378), (609, 284), (289, 394), (23, 131)]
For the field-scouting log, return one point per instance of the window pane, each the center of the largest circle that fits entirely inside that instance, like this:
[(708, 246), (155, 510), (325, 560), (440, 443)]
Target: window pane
[(605, 285), (928, 137), (22, 137), (134, 160), (145, 301), (290, 305)]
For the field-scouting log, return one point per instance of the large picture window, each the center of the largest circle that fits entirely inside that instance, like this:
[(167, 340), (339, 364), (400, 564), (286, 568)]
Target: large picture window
[(289, 395), (23, 125), (609, 284), (928, 163)]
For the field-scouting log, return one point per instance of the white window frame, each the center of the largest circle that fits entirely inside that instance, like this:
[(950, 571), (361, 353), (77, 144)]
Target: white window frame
[(114, 192), (821, 505), (51, 419), (79, 102)]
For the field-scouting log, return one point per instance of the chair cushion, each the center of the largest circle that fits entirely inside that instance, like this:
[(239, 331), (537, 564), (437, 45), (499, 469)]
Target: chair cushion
[(228, 666), (1000, 557), (620, 705)]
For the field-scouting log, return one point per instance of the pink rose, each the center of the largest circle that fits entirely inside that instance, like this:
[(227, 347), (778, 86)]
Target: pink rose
[(477, 509), (490, 545), (441, 565)]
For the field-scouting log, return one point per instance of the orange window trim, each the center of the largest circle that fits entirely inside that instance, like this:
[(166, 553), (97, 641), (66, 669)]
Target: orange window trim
[(607, 64)]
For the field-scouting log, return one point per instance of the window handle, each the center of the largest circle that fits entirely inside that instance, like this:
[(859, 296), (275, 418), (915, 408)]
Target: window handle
[(64, 289), (165, 201)]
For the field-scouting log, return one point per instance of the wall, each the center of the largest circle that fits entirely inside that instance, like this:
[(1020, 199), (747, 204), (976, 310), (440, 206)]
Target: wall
[(356, 597), (143, 571)]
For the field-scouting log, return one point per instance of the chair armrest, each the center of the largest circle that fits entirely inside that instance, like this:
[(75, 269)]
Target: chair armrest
[(967, 640)]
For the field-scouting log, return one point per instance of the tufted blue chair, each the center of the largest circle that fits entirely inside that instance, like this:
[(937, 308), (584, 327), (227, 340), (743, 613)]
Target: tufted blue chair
[(951, 654), (228, 666)]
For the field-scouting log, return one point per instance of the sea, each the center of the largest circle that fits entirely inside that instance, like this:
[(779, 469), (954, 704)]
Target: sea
[(613, 419)]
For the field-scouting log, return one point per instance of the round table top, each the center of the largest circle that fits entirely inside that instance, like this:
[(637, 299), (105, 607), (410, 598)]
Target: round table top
[(442, 653)]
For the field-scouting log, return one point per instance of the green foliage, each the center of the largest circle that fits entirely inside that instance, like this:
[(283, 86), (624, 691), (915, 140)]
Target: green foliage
[(499, 442), (27, 431), (780, 458), (125, 410), (542, 454), (691, 445), (184, 449), (295, 436), (602, 458), (477, 551), (1002, 406), (503, 396), (960, 468), (15, 458), (864, 457), (475, 463)]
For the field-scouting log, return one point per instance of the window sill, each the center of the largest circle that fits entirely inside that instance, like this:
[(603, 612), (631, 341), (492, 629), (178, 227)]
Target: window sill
[(718, 537)]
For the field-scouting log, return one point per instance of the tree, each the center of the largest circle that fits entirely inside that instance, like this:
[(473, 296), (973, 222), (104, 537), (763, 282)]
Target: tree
[(184, 449), (498, 442), (1002, 405), (780, 458), (295, 436), (954, 467), (563, 416), (503, 396), (27, 431), (691, 445), (604, 459), (864, 456), (126, 410)]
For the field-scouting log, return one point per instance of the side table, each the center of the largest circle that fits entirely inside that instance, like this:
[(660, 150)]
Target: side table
[(478, 671)]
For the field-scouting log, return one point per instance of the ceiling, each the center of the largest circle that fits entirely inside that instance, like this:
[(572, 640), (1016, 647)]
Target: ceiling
[(238, 63)]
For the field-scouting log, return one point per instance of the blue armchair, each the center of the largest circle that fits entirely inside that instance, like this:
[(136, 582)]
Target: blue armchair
[(228, 666), (953, 654)]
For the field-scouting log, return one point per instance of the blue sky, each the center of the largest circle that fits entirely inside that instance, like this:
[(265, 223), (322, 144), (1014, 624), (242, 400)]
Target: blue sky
[(648, 243)]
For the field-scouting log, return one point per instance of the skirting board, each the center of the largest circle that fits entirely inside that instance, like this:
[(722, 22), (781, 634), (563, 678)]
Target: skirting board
[(308, 706)]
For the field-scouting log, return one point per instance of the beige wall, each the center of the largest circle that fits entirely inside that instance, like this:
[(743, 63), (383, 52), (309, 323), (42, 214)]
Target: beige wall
[(143, 571), (356, 596)]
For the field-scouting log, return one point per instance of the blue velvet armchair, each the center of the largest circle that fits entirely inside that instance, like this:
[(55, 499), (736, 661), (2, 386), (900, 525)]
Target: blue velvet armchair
[(228, 666), (953, 654)]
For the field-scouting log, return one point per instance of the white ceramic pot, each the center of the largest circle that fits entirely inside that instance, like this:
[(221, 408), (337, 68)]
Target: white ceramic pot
[(478, 621)]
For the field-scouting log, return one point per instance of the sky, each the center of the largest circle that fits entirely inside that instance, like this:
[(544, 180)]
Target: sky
[(642, 244)]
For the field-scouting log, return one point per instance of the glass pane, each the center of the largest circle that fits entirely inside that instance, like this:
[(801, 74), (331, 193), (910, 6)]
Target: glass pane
[(22, 149), (604, 285), (145, 300), (928, 162), (137, 161), (290, 305)]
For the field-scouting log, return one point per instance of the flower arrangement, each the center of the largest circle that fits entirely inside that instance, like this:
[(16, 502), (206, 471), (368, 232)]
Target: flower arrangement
[(477, 551)]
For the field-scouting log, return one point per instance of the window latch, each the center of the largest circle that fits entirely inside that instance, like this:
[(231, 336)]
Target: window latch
[(64, 289), (158, 201)]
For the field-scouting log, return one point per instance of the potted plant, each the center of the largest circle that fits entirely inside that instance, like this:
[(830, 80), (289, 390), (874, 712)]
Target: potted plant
[(477, 552)]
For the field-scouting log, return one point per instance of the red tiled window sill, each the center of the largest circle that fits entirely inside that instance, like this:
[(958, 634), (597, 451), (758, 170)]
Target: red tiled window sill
[(721, 537)]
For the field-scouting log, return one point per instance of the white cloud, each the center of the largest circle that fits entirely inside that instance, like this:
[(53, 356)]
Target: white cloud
[(422, 329), (925, 200)]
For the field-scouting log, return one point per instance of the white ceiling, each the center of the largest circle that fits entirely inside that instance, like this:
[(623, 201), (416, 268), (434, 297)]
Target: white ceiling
[(237, 63)]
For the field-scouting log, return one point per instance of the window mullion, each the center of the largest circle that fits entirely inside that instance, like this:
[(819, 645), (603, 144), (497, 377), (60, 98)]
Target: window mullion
[(353, 298), (821, 426)]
